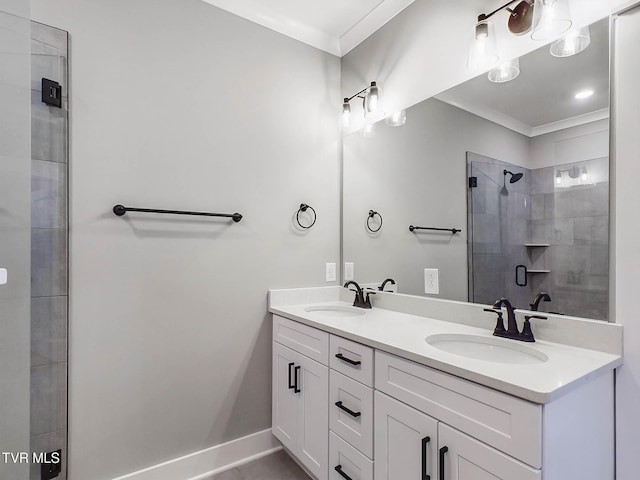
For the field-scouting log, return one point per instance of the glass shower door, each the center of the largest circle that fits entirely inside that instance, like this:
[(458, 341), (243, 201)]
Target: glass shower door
[(15, 241)]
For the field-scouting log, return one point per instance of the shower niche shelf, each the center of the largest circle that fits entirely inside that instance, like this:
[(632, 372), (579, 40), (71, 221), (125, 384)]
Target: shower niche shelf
[(537, 245), (538, 271)]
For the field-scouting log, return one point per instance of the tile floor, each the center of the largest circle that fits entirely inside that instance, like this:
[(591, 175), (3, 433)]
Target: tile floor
[(277, 466)]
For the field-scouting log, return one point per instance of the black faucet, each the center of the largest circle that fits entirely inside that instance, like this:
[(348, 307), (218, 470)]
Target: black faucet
[(360, 300), (539, 298), (512, 326), (527, 334), (388, 280)]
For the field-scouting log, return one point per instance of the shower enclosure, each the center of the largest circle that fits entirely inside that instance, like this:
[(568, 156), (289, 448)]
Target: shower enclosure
[(33, 248), (547, 232)]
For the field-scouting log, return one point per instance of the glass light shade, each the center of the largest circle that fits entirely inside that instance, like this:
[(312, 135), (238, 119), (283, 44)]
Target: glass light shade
[(397, 119), (572, 43), (371, 99), (369, 130), (346, 113), (483, 53), (551, 18), (559, 178), (505, 72)]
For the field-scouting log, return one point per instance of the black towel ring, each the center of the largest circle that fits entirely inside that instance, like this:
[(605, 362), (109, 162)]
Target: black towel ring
[(303, 208), (372, 214)]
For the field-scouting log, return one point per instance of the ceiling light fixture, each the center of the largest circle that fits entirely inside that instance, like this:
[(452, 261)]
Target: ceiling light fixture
[(546, 19), (584, 94), (572, 43), (370, 99), (505, 72)]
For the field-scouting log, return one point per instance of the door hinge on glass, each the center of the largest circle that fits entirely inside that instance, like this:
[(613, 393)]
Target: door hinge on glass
[(51, 93), (473, 182)]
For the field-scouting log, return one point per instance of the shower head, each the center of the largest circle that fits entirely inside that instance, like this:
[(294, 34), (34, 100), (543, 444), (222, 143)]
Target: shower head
[(515, 177)]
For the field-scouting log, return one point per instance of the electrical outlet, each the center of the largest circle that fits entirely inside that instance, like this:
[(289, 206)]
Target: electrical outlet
[(431, 284), (331, 272), (348, 271), (51, 467)]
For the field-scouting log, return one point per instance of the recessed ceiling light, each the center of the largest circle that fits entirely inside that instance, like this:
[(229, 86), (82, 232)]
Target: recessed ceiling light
[(584, 94)]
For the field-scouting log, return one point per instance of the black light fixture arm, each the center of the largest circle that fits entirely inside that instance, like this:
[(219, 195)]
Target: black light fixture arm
[(486, 16), (359, 94)]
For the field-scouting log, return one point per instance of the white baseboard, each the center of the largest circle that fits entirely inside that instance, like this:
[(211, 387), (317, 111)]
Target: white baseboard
[(202, 464)]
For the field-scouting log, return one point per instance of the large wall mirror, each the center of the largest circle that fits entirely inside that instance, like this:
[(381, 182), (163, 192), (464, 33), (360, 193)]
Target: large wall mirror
[(520, 167)]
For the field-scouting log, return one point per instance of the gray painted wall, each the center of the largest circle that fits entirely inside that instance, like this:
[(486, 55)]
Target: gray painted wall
[(177, 104), (15, 220)]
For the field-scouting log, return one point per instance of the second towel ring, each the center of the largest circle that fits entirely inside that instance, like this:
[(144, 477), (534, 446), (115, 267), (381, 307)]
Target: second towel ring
[(372, 214), (303, 208)]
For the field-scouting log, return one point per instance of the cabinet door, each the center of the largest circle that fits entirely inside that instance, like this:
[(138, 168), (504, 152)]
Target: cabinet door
[(313, 423), (464, 458), (286, 402), (405, 441)]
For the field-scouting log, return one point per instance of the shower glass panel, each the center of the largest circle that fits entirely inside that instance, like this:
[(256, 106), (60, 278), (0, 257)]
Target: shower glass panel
[(552, 224), (15, 235)]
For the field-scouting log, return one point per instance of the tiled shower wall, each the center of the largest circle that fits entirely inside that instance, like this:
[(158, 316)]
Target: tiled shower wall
[(49, 247), (574, 220)]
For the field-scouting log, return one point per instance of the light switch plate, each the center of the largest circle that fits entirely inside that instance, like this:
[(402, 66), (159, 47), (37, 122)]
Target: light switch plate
[(330, 272), (431, 284), (3, 276), (348, 271)]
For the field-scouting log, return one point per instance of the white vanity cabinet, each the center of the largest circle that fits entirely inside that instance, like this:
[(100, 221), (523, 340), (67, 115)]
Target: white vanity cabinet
[(348, 411), (300, 411)]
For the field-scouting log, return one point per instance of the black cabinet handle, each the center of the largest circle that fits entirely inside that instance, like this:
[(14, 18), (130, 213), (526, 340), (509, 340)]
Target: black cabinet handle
[(350, 412), (339, 356), (425, 441), (443, 451), (342, 474), (291, 385), (296, 388)]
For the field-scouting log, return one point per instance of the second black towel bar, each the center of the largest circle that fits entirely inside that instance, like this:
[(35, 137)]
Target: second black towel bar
[(452, 230), (120, 210)]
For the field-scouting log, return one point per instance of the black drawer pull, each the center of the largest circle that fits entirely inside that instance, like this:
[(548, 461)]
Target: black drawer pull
[(350, 412), (425, 441), (443, 450), (342, 474), (339, 356), (291, 385), (296, 388)]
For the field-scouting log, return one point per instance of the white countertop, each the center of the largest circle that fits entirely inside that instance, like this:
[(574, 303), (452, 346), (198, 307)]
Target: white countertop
[(404, 335)]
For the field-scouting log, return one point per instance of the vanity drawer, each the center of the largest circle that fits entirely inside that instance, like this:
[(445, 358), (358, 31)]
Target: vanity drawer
[(353, 359), (303, 339), (355, 465), (509, 424), (353, 418)]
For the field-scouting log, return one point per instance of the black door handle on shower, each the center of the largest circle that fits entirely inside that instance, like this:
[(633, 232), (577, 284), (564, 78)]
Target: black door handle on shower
[(425, 442), (339, 356), (443, 451), (291, 385), (349, 411), (296, 388)]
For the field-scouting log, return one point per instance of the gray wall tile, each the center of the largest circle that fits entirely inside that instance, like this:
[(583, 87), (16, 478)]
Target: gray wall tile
[(49, 130), (50, 442), (48, 262), (48, 330), (48, 194), (48, 398)]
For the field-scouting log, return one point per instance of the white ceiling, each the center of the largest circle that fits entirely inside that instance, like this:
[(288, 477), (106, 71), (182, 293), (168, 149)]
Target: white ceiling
[(541, 99), (335, 26)]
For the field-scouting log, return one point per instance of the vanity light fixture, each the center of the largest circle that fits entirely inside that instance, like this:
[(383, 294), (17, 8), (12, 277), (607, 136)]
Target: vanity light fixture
[(505, 72), (370, 98), (397, 119), (572, 43), (546, 19)]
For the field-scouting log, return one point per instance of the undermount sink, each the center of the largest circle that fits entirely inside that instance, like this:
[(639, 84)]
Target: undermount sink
[(335, 310), (489, 349)]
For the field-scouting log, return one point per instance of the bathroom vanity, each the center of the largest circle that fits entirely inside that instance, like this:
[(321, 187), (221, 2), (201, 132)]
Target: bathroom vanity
[(417, 388)]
